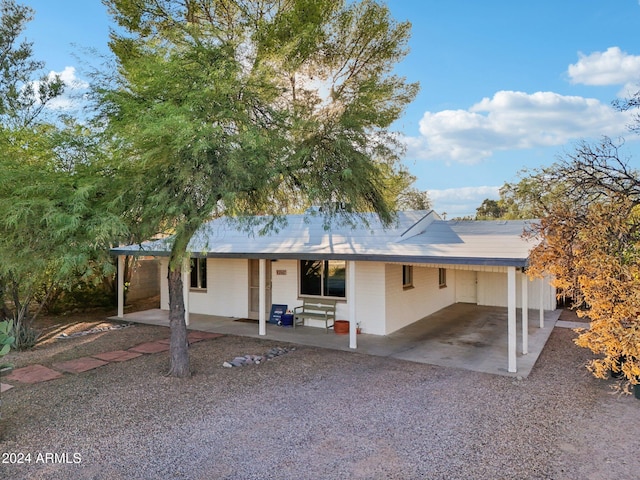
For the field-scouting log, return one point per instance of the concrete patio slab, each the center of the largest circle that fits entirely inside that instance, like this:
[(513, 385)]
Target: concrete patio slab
[(566, 324), (117, 356), (33, 374), (79, 365), (466, 336), (4, 387), (195, 336), (150, 347)]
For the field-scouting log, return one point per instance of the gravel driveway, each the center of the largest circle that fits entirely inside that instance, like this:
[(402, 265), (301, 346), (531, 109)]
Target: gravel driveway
[(316, 414)]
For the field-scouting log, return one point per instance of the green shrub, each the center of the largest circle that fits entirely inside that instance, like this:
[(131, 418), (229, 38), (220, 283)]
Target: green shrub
[(6, 337), (24, 335)]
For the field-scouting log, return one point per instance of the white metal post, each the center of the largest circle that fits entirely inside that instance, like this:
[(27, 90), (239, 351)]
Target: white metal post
[(525, 313), (511, 313), (351, 292), (262, 297), (541, 302), (121, 286)]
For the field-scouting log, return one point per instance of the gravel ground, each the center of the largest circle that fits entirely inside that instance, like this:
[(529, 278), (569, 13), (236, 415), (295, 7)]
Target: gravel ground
[(314, 414)]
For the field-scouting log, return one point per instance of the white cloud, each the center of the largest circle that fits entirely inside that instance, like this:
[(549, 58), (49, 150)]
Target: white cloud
[(613, 67), (74, 88), (460, 202), (512, 121)]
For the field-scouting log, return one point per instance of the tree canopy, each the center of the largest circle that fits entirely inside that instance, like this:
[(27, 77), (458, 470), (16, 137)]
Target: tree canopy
[(51, 226), (591, 247), (223, 107)]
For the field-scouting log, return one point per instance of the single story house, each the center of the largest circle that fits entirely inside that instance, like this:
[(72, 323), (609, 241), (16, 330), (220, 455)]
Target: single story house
[(382, 279)]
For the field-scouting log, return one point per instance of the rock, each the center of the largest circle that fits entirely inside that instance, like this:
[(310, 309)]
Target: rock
[(257, 359)]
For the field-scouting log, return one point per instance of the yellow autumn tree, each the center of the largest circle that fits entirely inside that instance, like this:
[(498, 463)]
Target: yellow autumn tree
[(591, 247)]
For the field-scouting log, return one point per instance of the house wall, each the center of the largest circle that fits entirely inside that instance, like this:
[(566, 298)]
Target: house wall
[(369, 297), (163, 265), (145, 279), (492, 291), (227, 290), (382, 304), (405, 306), (284, 283)]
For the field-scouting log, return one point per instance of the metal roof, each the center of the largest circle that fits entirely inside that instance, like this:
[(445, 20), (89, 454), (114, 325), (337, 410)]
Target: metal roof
[(416, 237)]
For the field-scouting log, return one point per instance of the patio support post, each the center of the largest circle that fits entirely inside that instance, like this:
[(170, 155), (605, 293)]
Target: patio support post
[(186, 283), (121, 286), (262, 297), (351, 291), (511, 315), (542, 302), (525, 313)]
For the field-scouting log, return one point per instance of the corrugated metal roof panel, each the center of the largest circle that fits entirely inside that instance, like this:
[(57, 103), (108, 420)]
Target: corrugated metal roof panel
[(307, 236)]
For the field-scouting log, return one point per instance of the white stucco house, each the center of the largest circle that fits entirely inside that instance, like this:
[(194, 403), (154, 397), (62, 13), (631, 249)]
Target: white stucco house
[(381, 278)]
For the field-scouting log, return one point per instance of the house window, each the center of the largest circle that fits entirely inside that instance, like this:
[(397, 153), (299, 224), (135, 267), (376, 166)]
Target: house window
[(442, 277), (323, 278), (407, 276), (199, 273)]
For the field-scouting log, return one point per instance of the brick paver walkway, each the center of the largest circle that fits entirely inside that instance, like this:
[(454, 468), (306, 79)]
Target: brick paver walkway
[(116, 356), (40, 373), (33, 374), (79, 365)]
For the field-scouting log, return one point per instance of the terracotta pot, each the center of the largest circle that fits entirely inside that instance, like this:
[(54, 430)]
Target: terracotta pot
[(341, 327)]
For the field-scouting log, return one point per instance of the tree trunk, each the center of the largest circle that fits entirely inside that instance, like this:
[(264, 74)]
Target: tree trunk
[(179, 343)]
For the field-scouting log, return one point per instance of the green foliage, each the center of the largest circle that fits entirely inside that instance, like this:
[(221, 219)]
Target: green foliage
[(239, 108), (21, 99), (53, 217), (24, 335), (6, 337), (531, 197), (490, 209), (82, 294)]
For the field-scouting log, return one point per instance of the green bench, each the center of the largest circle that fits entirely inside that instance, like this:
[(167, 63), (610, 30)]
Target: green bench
[(315, 309)]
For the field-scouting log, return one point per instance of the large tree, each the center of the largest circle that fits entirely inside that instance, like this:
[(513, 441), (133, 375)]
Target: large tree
[(238, 107), (26, 147), (591, 247), (52, 219)]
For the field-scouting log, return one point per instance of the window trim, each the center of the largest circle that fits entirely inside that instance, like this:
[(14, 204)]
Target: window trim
[(407, 277), (442, 277), (195, 265), (322, 281)]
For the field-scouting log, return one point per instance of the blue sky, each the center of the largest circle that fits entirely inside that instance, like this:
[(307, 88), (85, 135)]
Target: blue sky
[(505, 85)]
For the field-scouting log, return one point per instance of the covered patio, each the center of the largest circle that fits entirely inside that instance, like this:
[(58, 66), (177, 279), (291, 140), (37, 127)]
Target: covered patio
[(462, 335)]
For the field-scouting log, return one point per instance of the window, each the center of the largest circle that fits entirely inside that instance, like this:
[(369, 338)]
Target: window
[(199, 273), (323, 278), (442, 277), (407, 276)]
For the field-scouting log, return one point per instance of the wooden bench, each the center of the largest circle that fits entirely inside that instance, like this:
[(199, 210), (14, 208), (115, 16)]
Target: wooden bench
[(318, 309)]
